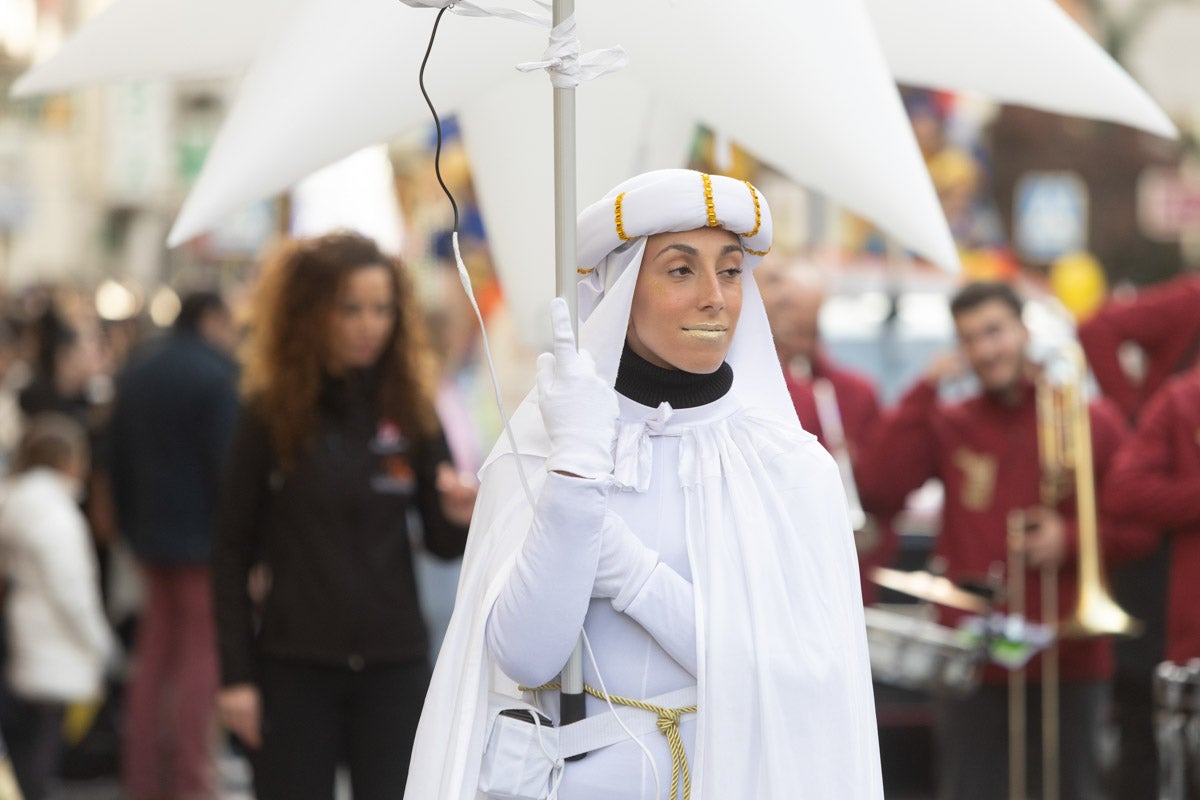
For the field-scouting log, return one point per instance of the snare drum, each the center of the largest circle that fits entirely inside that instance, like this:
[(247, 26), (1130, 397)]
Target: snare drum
[(916, 653), (1177, 697)]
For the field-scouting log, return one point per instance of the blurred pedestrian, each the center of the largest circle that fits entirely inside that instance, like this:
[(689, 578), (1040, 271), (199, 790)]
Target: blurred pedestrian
[(66, 366), (10, 380), (175, 409), (1156, 479), (67, 359), (59, 639), (338, 444), (1135, 342)]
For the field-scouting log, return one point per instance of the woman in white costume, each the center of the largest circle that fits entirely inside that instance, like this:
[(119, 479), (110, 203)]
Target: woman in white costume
[(683, 520)]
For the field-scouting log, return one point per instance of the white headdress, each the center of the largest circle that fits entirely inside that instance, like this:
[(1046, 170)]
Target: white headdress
[(661, 201), (612, 236)]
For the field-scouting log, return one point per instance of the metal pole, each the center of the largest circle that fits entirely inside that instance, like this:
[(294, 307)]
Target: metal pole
[(1016, 677), (571, 698), (1050, 683), (564, 184)]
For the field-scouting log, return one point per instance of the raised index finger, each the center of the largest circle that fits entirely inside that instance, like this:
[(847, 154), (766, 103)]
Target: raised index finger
[(565, 352)]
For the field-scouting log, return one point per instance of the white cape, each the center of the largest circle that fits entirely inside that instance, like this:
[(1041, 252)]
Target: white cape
[(785, 701)]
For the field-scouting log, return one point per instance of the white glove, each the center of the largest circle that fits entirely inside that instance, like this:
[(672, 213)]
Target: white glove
[(578, 409), (625, 563)]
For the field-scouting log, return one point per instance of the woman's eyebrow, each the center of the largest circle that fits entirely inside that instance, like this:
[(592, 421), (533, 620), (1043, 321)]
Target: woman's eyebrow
[(683, 248), (691, 251)]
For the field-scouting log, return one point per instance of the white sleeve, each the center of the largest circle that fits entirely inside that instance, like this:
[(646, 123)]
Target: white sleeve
[(59, 541), (537, 616), (665, 607)]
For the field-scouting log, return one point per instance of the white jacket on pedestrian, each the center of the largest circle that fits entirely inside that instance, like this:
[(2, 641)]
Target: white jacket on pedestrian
[(59, 640)]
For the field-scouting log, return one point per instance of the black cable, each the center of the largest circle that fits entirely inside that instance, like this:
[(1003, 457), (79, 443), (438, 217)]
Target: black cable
[(437, 153)]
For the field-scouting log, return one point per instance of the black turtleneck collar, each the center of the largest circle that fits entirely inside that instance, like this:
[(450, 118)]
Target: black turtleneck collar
[(645, 383)]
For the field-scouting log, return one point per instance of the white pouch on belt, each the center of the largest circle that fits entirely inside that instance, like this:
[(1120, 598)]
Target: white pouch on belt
[(520, 756)]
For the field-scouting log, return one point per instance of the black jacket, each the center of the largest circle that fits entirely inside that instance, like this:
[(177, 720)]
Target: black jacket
[(333, 530), (172, 421)]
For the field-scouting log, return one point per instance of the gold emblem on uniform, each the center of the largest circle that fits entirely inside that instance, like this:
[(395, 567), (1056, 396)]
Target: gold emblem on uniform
[(979, 478)]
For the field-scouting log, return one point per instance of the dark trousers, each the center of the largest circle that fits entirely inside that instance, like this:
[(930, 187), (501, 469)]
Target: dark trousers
[(317, 716), (1139, 588), (33, 733), (972, 741), (1136, 771)]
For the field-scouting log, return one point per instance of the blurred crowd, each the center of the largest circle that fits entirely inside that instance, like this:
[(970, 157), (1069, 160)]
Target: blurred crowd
[(115, 440), (60, 538)]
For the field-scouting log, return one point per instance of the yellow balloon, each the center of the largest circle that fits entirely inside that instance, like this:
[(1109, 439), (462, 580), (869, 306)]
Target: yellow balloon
[(1078, 281)]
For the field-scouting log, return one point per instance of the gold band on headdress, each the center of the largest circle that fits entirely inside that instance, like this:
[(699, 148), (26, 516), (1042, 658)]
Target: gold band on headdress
[(620, 223), (583, 271), (708, 201), (757, 217), (738, 211)]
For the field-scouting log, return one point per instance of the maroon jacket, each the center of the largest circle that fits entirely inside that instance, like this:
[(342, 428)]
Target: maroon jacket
[(1164, 320), (986, 455), (859, 408), (1155, 479)]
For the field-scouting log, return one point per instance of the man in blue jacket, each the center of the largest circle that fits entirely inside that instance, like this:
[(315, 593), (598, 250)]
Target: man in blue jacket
[(175, 410)]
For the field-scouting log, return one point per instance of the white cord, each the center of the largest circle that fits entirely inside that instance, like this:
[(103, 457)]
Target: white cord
[(556, 771), (465, 277), (587, 645)]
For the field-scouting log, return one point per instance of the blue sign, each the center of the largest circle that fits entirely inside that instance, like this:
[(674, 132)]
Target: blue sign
[(1050, 215)]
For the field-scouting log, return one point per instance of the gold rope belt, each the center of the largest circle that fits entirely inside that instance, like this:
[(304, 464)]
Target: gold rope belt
[(668, 725)]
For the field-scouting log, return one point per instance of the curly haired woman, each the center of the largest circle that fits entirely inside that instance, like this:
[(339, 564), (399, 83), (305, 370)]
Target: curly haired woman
[(337, 446)]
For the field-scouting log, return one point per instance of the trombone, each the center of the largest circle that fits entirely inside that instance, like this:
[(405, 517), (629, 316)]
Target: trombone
[(1065, 458)]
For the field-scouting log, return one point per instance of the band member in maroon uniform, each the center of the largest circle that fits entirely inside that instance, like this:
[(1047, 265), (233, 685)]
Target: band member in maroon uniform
[(1162, 321), (825, 394), (1156, 479), (1162, 324), (985, 452)]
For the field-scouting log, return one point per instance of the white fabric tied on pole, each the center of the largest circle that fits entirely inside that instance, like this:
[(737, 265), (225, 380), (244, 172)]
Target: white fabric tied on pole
[(567, 65)]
